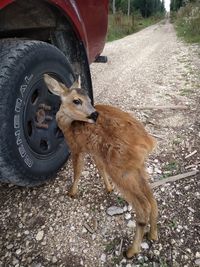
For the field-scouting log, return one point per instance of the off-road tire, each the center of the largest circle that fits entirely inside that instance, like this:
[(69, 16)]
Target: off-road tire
[(22, 65)]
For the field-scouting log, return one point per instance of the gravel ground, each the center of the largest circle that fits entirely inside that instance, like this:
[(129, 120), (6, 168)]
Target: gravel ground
[(43, 227)]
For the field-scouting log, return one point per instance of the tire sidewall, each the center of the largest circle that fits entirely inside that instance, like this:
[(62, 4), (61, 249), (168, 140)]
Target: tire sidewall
[(45, 59)]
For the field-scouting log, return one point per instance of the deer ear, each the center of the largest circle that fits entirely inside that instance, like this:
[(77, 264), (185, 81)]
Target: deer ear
[(55, 87), (77, 84)]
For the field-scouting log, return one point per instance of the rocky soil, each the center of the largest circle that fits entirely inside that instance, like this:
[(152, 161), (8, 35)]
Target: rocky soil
[(44, 227)]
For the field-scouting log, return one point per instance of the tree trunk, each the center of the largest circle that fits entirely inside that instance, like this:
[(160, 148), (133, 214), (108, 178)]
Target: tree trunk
[(129, 4), (114, 9), (146, 10)]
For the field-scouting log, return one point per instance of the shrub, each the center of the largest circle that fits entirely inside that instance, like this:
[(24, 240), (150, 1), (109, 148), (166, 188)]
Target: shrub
[(121, 25), (188, 22)]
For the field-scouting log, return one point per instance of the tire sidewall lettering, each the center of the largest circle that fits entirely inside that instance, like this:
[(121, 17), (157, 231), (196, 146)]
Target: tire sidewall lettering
[(17, 124), (24, 160)]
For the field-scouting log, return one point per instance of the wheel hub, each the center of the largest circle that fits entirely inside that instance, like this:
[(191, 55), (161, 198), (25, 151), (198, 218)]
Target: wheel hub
[(40, 127), (41, 117)]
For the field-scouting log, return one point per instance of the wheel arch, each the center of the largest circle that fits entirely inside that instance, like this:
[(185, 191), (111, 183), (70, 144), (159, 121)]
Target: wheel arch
[(14, 16), (52, 22)]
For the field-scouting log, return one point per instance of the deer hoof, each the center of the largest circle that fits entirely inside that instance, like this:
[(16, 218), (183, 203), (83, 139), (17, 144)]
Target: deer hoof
[(109, 189), (131, 252), (152, 236), (72, 194)]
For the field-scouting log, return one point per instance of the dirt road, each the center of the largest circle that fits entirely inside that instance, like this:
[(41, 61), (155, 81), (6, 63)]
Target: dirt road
[(44, 227)]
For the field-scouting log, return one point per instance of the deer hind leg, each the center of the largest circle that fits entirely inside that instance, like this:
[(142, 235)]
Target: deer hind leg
[(78, 162), (101, 168), (153, 234), (146, 211), (129, 185), (142, 208)]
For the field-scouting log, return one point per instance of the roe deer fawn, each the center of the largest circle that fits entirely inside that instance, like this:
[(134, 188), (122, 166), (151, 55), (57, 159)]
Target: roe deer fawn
[(119, 146)]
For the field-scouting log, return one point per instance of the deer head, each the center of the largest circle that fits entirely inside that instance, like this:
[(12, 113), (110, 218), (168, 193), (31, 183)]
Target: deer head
[(75, 103)]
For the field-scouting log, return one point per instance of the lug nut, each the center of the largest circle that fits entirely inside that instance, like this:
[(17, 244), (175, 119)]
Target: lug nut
[(44, 106)]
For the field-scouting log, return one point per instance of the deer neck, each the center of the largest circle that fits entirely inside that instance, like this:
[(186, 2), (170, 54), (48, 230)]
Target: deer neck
[(64, 121), (65, 124)]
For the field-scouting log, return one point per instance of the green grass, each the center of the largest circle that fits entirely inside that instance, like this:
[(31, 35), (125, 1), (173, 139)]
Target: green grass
[(186, 92), (184, 31), (173, 224), (171, 166), (120, 201), (187, 22), (110, 247), (121, 25), (169, 169), (163, 263), (176, 142)]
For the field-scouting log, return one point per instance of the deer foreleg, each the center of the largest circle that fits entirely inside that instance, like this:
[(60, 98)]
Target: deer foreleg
[(78, 162), (103, 173)]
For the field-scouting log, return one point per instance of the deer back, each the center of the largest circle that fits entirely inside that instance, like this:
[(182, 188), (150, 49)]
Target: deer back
[(116, 136)]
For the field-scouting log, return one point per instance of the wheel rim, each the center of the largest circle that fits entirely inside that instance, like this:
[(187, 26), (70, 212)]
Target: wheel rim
[(41, 131)]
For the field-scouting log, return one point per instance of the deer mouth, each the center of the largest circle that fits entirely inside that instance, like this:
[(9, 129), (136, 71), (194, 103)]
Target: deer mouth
[(93, 117)]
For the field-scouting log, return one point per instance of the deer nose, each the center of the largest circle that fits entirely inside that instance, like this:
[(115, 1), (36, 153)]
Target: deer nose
[(94, 116)]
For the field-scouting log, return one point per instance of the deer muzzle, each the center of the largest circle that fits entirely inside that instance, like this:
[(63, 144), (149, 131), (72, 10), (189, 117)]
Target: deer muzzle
[(93, 116)]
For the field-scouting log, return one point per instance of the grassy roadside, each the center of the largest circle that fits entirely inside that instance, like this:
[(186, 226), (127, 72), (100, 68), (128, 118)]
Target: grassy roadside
[(121, 25), (187, 22)]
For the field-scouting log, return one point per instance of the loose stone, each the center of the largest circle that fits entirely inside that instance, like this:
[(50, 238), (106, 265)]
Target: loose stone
[(103, 257), (113, 210), (39, 235)]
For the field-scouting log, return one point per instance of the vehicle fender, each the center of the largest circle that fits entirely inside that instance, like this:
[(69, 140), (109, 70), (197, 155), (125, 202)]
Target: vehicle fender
[(70, 10)]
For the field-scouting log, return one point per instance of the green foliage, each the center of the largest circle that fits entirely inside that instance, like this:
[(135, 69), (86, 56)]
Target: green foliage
[(121, 25), (147, 8), (188, 22), (176, 4), (122, 5), (143, 13)]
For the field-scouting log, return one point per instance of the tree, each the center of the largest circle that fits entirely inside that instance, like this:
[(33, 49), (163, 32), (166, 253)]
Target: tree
[(176, 4), (162, 6), (145, 7), (129, 6), (113, 7)]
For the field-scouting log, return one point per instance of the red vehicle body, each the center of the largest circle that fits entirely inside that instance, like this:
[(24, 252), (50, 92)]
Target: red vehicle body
[(91, 31), (57, 37)]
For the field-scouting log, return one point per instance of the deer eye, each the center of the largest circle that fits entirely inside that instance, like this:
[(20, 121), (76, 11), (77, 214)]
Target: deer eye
[(77, 102)]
